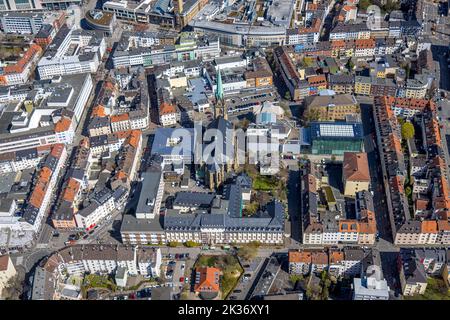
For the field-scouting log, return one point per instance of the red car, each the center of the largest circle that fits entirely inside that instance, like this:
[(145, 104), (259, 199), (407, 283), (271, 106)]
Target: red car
[(181, 279)]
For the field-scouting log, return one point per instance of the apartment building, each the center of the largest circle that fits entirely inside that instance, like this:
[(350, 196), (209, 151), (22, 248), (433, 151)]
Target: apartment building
[(119, 122), (356, 176), (105, 259), (335, 107), (350, 31), (347, 262), (102, 204), (39, 200), (304, 35), (167, 114), (99, 126), (20, 71), (16, 161), (299, 262), (430, 228), (149, 262), (150, 194), (341, 83), (413, 278), (363, 85), (324, 215)]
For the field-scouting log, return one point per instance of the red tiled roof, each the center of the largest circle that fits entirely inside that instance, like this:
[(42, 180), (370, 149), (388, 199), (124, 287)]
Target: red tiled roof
[(63, 125), (166, 108), (120, 117), (209, 279), (72, 188), (4, 260), (429, 226), (22, 62), (356, 167), (57, 150), (98, 111), (300, 256)]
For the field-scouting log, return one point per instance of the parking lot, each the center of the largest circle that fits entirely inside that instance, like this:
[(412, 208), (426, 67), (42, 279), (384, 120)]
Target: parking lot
[(266, 278), (176, 270), (247, 280)]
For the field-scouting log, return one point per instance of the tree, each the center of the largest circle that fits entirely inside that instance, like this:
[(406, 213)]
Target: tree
[(249, 251), (295, 278), (311, 115), (325, 284), (364, 4), (391, 5), (287, 95), (350, 65), (173, 244), (191, 244), (251, 208), (244, 123), (13, 288), (407, 130), (408, 191)]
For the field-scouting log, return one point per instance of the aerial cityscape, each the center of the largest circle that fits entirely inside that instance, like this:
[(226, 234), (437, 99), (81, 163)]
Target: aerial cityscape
[(224, 150)]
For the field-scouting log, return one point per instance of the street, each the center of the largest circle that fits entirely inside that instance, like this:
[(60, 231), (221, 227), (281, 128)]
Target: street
[(294, 204)]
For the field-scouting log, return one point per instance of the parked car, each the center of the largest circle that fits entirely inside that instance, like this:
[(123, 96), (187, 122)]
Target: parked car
[(72, 237), (181, 279)]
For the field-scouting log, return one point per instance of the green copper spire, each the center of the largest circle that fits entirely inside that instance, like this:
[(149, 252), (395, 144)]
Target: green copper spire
[(219, 86)]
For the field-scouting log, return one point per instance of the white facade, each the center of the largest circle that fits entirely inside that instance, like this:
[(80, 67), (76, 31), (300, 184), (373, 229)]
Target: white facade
[(47, 196), (15, 165), (168, 119), (97, 212), (61, 64), (149, 268)]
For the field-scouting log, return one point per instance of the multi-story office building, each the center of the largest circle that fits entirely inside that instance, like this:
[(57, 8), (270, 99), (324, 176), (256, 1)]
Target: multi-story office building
[(72, 51), (29, 22)]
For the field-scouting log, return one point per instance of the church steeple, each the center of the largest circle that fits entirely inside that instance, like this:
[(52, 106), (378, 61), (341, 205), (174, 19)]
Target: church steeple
[(219, 109), (219, 86)]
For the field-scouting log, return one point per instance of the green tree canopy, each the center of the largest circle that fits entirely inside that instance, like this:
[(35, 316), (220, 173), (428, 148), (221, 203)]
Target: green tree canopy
[(350, 65), (287, 95), (407, 130), (364, 4)]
